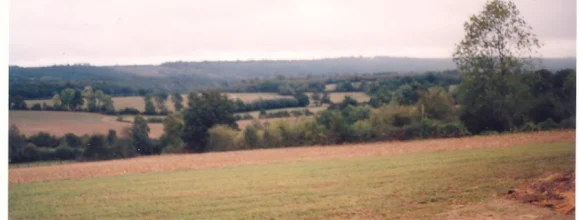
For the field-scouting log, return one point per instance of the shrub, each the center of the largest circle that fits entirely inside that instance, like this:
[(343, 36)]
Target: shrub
[(487, 133), (427, 129), (30, 153), (72, 140), (36, 107), (454, 129), (44, 139), (548, 124), (363, 130), (46, 154), (250, 137), (529, 126), (97, 148), (129, 111), (221, 138), (65, 153), (567, 123)]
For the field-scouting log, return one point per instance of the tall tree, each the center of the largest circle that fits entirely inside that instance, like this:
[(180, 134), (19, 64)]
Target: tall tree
[(160, 100), (90, 98), (489, 60), (77, 100), (66, 97), (139, 135), (208, 109), (56, 102), (177, 101), (17, 102), (149, 106)]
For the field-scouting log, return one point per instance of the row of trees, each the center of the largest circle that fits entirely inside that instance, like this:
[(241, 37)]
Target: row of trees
[(70, 99), (43, 146)]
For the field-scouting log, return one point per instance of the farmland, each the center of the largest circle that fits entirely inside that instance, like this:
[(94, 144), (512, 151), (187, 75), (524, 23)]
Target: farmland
[(337, 97), (381, 180), (80, 123), (138, 102)]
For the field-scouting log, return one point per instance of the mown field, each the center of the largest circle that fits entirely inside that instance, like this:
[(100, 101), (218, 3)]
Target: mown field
[(79, 123), (309, 183)]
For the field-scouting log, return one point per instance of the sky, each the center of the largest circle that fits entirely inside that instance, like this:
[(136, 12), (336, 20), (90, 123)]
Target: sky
[(120, 32)]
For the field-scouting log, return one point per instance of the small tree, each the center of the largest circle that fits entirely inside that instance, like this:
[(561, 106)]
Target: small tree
[(16, 145), (96, 148), (250, 136), (77, 100), (140, 136), (160, 100), (149, 107)]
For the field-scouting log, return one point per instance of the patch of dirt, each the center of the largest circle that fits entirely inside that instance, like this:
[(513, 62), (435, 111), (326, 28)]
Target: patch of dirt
[(502, 209), (555, 191), (262, 156)]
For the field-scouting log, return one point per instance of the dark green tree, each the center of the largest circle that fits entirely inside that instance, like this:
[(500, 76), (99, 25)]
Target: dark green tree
[(77, 100), (149, 106), (139, 135), (205, 111)]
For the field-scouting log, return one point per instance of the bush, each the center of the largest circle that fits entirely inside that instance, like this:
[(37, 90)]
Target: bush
[(221, 138), (46, 154), (129, 111), (548, 124), (529, 126), (36, 107), (427, 129), (454, 129), (364, 131), (44, 139), (568, 123), (487, 133), (65, 153)]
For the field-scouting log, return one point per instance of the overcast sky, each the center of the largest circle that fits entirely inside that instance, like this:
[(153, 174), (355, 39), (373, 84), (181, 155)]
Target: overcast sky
[(107, 32)]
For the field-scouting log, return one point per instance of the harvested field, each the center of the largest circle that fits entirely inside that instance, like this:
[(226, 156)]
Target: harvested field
[(255, 114), (208, 160), (337, 97), (138, 102), (244, 123), (419, 185), (79, 123)]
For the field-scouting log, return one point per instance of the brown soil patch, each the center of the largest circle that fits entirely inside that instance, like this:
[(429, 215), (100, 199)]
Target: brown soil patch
[(220, 159), (501, 209), (555, 191)]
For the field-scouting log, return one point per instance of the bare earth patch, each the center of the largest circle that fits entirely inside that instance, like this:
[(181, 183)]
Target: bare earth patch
[(555, 191), (502, 209), (262, 156)]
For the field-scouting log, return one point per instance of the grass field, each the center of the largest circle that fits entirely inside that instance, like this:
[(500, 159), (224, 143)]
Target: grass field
[(138, 102), (79, 123), (409, 186)]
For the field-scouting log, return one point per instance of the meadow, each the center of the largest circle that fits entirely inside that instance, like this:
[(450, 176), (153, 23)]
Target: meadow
[(408, 180)]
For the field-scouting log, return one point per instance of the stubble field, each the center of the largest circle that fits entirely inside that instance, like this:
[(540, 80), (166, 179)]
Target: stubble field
[(463, 178)]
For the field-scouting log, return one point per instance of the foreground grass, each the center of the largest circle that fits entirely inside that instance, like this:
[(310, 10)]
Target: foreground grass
[(416, 185)]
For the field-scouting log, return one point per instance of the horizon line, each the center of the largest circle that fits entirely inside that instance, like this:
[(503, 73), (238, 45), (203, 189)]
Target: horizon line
[(255, 60)]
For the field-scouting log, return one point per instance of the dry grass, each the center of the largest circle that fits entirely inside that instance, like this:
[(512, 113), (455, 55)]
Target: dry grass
[(208, 160), (79, 123), (330, 87)]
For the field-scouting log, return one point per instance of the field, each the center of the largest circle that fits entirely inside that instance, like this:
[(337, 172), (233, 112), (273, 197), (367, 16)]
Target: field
[(409, 180), (337, 97), (255, 114), (138, 102), (79, 123)]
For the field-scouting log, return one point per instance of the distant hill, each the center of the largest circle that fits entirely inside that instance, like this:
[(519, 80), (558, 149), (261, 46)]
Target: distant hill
[(185, 76)]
